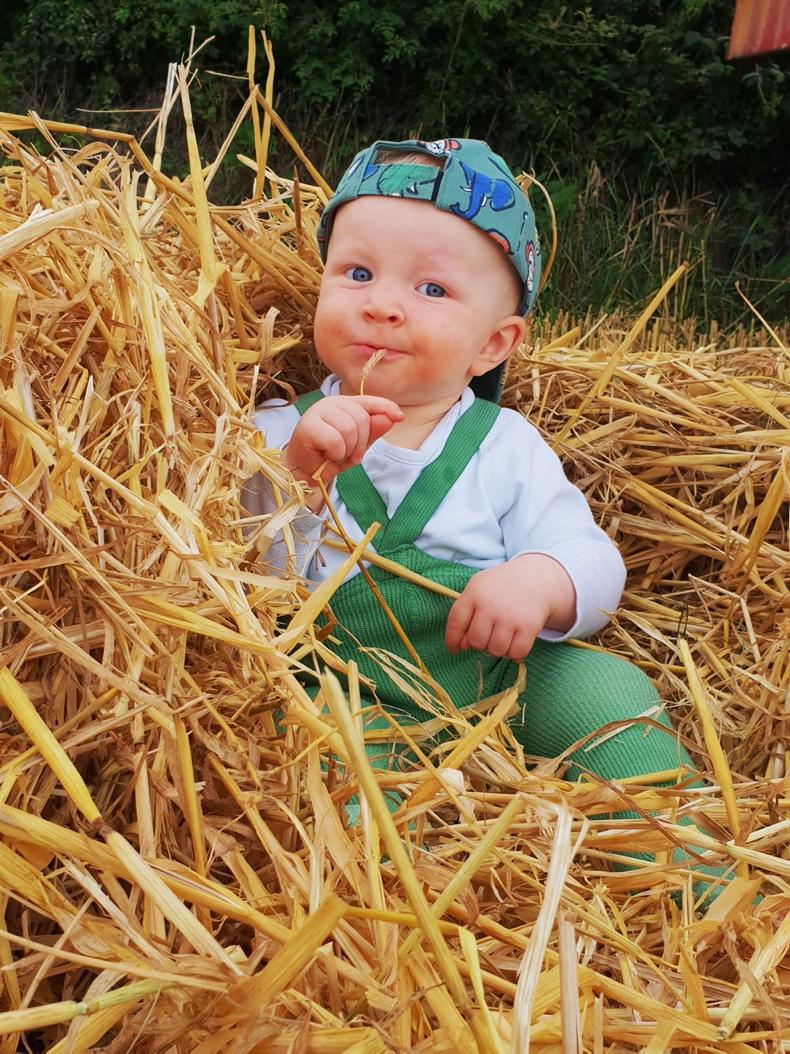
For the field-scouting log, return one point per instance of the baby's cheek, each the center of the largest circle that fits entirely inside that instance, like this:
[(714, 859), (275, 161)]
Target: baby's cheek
[(328, 329), (438, 369)]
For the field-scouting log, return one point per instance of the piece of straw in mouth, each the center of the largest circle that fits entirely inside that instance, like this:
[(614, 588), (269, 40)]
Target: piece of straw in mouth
[(367, 369)]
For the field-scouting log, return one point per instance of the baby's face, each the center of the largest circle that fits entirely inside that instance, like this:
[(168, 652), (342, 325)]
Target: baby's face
[(425, 285)]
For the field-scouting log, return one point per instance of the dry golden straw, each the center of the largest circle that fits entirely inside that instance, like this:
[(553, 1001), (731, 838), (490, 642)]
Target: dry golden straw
[(367, 369), (178, 871)]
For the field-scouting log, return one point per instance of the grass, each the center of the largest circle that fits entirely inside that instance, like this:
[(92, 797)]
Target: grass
[(618, 244)]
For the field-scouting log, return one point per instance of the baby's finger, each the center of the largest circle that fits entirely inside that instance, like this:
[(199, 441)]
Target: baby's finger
[(355, 423), (500, 640), (377, 404), (380, 424), (334, 439), (479, 632), (457, 624), (363, 440), (366, 434), (521, 645)]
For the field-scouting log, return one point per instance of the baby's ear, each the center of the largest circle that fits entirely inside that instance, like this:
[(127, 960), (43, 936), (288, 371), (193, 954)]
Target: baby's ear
[(502, 342)]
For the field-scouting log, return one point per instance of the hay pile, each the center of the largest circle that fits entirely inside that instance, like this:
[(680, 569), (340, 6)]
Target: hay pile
[(175, 869)]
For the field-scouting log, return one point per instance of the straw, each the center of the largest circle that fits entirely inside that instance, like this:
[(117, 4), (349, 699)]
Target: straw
[(763, 960), (180, 774), (717, 755), (367, 369), (529, 970), (569, 982), (340, 711), (15, 698)]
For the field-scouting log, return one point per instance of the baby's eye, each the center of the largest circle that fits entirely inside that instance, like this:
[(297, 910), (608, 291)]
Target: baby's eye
[(432, 289), (359, 274)]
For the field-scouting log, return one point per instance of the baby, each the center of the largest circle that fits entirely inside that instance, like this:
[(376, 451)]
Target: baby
[(431, 256)]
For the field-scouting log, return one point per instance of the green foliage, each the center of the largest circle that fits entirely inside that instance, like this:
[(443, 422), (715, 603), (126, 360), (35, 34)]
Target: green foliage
[(637, 93), (96, 51), (632, 83), (618, 244)]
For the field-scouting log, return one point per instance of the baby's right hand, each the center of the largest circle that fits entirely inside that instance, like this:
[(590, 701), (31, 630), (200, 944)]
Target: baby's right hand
[(335, 432)]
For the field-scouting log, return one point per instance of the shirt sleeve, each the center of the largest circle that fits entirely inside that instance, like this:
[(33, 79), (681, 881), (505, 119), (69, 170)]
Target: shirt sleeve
[(542, 512), (290, 534)]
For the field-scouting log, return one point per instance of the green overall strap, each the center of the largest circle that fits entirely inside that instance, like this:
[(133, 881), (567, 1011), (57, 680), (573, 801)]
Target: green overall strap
[(362, 499), (359, 495), (304, 402), (427, 492), (436, 480)]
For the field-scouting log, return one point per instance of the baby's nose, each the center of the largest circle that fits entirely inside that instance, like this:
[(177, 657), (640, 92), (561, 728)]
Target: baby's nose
[(384, 305)]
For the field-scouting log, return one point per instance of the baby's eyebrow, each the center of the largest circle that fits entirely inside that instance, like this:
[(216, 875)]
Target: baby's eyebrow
[(354, 253), (444, 264), (437, 254)]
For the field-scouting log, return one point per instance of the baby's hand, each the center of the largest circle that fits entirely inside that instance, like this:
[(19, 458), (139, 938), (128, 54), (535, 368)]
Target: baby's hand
[(504, 608), (335, 432)]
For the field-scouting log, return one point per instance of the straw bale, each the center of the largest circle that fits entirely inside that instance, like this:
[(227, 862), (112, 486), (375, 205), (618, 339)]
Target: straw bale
[(177, 872)]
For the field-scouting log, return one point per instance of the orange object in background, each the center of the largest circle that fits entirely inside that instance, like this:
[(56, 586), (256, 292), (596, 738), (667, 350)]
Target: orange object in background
[(759, 26)]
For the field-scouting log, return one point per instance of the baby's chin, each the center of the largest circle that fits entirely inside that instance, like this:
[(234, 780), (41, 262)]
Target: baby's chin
[(386, 387)]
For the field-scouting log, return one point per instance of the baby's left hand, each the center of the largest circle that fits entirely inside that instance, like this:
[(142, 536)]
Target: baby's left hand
[(503, 609)]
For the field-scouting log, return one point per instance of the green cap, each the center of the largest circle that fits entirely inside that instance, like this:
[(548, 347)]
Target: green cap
[(473, 183)]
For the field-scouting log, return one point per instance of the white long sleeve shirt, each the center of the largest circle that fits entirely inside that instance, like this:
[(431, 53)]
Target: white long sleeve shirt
[(512, 498)]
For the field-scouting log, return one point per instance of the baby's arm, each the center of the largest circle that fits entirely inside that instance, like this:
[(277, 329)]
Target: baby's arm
[(563, 573)]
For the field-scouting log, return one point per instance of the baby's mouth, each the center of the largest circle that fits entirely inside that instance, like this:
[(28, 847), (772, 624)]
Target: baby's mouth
[(369, 350)]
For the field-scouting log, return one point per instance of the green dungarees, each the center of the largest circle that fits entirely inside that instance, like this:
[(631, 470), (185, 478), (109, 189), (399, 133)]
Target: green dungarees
[(570, 692)]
